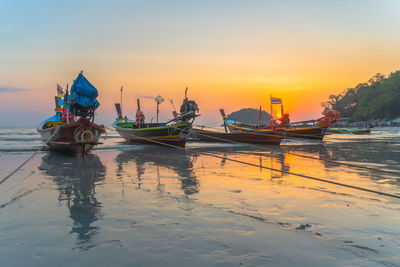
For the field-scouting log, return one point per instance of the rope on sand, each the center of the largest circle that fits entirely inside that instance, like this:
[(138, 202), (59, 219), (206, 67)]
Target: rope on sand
[(273, 169), (31, 156)]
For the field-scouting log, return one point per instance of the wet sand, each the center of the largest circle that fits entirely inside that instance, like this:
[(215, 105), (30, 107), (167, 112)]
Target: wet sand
[(148, 205)]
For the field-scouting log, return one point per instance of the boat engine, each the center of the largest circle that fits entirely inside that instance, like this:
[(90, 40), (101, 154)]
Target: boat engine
[(139, 114), (189, 108)]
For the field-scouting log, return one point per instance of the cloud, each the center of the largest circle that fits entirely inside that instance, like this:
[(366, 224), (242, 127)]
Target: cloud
[(10, 89), (5, 28)]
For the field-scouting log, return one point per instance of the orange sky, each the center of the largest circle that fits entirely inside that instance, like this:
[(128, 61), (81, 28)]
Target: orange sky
[(231, 56)]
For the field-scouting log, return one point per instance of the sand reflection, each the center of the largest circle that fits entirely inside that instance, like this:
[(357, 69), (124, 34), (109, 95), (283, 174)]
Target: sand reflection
[(178, 161), (76, 179)]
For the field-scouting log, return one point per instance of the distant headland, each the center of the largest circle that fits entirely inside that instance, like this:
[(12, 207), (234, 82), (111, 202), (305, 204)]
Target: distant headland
[(250, 115)]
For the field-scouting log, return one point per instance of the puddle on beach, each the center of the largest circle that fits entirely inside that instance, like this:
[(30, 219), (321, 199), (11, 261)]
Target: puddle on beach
[(149, 205)]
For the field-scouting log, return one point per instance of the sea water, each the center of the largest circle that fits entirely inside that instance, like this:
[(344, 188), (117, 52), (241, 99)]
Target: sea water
[(140, 205)]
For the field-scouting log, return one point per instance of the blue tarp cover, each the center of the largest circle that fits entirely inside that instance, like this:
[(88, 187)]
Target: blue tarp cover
[(84, 93), (54, 118)]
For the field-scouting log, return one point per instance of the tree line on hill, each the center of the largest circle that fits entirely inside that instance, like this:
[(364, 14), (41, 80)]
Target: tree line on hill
[(379, 98)]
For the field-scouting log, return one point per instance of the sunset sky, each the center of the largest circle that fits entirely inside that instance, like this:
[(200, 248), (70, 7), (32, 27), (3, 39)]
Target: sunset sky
[(231, 54)]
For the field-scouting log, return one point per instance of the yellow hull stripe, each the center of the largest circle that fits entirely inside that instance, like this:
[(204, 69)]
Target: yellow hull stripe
[(150, 128)]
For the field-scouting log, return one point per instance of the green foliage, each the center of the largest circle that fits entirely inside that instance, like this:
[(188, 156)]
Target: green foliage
[(379, 98)]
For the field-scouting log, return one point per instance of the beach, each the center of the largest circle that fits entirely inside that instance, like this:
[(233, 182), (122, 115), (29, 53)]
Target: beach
[(145, 205)]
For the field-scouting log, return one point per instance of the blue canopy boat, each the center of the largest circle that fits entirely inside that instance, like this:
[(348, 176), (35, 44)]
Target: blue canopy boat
[(72, 129)]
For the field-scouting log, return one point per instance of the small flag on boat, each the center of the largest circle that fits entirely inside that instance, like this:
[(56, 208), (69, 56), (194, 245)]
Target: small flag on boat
[(275, 100), (60, 91)]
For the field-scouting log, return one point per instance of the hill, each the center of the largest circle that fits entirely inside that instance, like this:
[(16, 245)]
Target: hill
[(379, 98), (250, 115)]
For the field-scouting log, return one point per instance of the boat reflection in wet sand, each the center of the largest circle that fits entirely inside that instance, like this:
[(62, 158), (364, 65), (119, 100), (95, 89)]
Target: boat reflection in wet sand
[(76, 179), (179, 161)]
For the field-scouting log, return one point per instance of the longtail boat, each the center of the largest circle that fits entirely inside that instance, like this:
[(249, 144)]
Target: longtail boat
[(174, 132), (316, 132), (72, 129)]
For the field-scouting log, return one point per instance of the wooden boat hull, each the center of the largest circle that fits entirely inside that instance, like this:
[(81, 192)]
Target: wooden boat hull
[(68, 138), (165, 135), (274, 138), (314, 132)]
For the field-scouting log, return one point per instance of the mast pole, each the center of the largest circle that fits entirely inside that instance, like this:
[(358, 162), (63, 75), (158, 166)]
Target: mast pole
[(68, 104), (122, 87), (157, 111), (270, 105)]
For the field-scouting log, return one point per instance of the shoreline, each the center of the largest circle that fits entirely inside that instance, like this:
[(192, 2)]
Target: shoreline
[(150, 205)]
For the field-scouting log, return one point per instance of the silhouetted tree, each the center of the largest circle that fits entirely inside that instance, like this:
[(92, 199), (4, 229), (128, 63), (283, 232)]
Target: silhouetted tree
[(378, 98)]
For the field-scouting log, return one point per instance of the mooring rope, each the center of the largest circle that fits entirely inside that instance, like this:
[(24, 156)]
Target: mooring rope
[(273, 169), (31, 156)]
